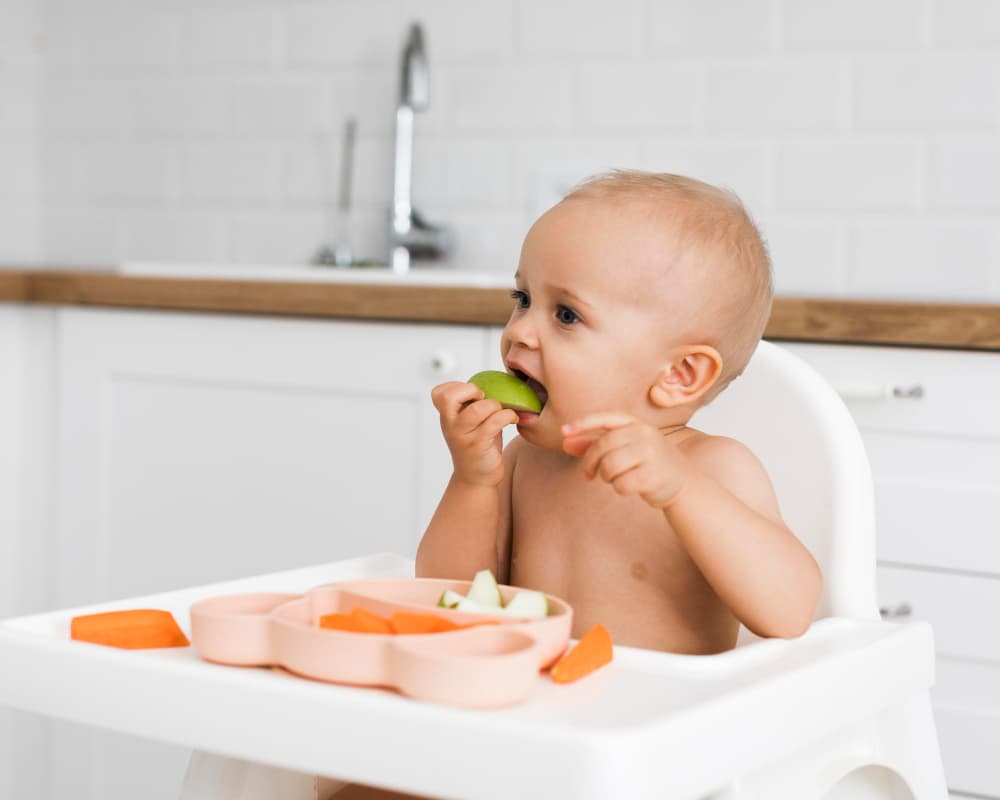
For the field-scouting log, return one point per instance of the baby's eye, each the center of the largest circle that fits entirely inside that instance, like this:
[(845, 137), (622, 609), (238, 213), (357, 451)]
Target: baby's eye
[(566, 315), (521, 298)]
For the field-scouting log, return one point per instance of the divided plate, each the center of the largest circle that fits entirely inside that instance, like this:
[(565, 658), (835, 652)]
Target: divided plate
[(481, 667)]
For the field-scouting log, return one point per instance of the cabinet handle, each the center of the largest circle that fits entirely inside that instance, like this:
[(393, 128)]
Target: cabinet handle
[(912, 392), (902, 611), (874, 392), (443, 362)]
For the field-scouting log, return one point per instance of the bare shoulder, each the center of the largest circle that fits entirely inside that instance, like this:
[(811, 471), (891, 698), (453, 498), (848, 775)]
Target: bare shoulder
[(512, 450), (734, 465)]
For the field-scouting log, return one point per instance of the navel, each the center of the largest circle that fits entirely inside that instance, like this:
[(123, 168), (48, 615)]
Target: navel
[(639, 571)]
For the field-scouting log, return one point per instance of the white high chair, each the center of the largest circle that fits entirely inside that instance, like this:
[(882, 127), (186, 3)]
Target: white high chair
[(841, 712), (805, 437), (802, 432)]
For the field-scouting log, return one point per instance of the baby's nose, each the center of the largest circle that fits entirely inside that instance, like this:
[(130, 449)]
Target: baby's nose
[(520, 330)]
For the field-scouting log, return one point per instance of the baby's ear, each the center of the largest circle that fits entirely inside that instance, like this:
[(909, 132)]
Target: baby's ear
[(688, 374)]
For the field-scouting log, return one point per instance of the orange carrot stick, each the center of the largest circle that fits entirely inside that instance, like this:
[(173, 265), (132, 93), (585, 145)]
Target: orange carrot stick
[(592, 651), (132, 629), (407, 622), (358, 621), (373, 622)]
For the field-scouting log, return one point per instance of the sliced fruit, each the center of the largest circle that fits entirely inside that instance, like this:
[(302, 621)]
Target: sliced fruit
[(450, 599), (508, 389), (484, 590), (528, 603), (467, 604)]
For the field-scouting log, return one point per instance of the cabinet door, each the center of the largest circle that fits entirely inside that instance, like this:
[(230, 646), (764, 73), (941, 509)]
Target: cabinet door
[(25, 480), (197, 448), (931, 431)]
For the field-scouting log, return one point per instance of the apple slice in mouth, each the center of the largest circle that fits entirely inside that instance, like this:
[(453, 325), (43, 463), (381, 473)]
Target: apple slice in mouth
[(536, 387)]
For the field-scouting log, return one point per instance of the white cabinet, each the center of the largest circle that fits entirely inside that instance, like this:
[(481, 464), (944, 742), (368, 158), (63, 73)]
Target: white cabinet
[(932, 432), (193, 448), (26, 399)]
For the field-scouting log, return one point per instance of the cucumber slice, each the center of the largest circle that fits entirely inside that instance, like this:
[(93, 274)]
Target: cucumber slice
[(484, 590), (450, 599), (528, 603)]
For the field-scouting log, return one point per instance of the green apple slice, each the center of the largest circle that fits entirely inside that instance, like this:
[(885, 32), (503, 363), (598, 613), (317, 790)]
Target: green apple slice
[(511, 391), (450, 599), (528, 603), (466, 604), (484, 590)]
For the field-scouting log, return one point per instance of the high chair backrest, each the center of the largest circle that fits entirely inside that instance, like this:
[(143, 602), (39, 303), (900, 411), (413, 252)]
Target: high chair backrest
[(802, 432)]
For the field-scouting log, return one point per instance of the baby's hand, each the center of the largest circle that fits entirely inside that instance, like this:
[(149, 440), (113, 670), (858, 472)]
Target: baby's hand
[(632, 456), (471, 426)]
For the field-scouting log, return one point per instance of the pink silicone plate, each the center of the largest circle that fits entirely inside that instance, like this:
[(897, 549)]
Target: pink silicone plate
[(481, 667)]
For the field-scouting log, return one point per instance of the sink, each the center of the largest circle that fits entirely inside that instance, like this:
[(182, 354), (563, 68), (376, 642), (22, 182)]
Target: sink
[(417, 276)]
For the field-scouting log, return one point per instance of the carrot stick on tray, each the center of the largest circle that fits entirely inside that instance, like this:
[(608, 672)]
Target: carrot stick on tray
[(593, 650), (132, 629)]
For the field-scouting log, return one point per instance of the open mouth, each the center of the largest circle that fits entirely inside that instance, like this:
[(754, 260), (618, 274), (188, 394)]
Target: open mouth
[(536, 387)]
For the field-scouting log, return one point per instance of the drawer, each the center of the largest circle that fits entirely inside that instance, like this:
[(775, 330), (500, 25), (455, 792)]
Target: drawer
[(968, 741), (962, 609), (966, 698), (966, 693), (902, 389), (937, 501)]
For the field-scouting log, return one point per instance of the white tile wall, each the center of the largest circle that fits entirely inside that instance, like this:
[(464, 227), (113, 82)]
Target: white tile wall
[(863, 134), (20, 184)]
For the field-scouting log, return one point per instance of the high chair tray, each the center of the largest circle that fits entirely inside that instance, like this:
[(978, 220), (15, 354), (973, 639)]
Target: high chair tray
[(648, 725)]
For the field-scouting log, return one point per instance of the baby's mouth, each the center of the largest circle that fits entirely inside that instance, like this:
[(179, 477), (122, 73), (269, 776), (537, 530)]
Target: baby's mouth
[(536, 386)]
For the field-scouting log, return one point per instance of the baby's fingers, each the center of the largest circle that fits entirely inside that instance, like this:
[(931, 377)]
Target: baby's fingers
[(495, 423), (598, 448), (596, 424), (450, 398), (473, 415), (612, 464)]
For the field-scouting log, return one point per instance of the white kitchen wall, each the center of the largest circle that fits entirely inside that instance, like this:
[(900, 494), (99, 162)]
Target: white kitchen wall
[(20, 212), (862, 133)]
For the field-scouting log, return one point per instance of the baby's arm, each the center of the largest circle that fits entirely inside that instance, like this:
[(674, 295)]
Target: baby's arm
[(726, 516), (470, 528), (719, 501)]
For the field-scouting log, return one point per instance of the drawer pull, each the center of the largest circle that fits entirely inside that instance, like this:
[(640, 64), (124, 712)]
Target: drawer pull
[(912, 392), (876, 392), (443, 362), (901, 611)]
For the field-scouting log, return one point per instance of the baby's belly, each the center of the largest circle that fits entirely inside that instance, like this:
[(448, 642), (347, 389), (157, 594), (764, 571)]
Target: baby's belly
[(645, 591)]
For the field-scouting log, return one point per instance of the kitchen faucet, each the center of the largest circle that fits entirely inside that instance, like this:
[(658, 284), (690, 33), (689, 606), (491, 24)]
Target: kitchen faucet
[(410, 236)]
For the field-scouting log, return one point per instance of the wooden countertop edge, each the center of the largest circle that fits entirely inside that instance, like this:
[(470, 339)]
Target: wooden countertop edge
[(877, 322)]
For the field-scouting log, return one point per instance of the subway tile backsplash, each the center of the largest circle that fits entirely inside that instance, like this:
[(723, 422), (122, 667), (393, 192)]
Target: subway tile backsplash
[(862, 134)]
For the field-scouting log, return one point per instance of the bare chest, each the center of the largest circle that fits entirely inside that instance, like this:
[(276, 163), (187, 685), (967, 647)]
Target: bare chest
[(614, 559)]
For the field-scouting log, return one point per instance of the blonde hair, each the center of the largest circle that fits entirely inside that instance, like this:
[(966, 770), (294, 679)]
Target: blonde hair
[(715, 228)]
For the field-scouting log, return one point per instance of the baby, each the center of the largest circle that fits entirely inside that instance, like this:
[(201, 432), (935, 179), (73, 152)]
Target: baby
[(639, 298)]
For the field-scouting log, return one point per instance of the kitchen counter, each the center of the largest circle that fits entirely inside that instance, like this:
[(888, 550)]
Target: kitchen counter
[(919, 324)]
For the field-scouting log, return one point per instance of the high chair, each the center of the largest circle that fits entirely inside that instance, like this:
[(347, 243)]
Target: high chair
[(841, 712)]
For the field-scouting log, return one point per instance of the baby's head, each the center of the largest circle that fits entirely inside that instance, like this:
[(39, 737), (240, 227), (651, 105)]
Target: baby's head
[(638, 292)]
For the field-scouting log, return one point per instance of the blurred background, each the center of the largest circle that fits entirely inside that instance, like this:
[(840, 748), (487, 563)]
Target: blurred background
[(862, 134)]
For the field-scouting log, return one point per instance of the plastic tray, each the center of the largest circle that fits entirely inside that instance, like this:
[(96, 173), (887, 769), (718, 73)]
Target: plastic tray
[(649, 725)]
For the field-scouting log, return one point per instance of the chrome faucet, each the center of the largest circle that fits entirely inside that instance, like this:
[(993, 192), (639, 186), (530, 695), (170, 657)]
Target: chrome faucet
[(410, 236)]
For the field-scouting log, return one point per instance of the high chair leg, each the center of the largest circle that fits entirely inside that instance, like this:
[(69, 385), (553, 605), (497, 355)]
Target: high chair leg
[(891, 756), (213, 777)]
